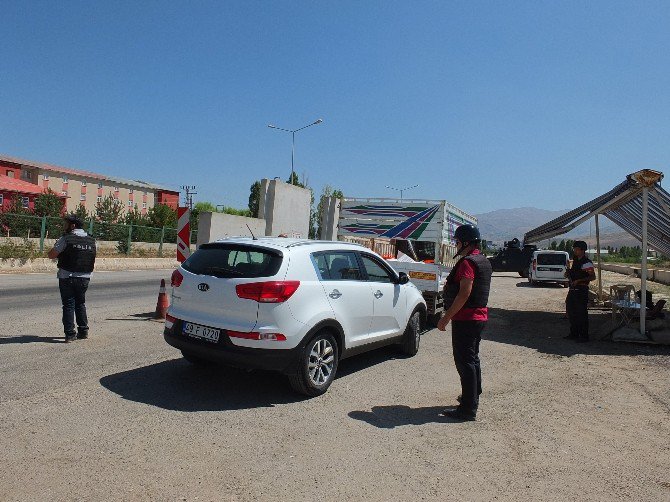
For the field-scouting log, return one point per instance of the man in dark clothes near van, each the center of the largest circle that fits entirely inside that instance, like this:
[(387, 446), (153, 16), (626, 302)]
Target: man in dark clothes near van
[(466, 295), (576, 304)]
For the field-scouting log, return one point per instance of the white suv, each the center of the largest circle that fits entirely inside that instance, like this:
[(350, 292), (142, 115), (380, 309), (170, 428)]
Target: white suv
[(296, 306)]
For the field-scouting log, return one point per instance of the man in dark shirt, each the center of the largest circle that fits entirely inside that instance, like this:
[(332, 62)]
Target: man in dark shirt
[(580, 274)]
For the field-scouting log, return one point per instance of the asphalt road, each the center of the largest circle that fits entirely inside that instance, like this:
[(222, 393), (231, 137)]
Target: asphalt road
[(121, 416), (22, 293)]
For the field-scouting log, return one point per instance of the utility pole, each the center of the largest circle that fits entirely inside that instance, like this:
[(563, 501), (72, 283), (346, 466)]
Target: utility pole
[(189, 189)]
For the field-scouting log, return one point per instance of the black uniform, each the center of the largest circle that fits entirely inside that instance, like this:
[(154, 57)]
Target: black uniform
[(466, 332), (578, 298), (76, 260)]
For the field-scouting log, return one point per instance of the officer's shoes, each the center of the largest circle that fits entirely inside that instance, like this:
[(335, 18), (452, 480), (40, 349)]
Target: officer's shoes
[(82, 336), (459, 415), (69, 339)]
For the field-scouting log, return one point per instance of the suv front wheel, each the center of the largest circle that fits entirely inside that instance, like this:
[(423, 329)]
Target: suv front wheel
[(412, 336), (317, 365)]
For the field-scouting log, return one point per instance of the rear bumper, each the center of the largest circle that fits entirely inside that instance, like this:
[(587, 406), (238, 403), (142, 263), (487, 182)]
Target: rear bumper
[(224, 352)]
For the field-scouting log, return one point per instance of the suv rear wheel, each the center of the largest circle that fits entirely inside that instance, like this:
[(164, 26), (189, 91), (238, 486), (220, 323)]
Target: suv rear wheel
[(317, 365)]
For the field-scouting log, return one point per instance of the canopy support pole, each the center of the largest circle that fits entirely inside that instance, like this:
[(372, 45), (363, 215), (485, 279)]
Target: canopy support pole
[(600, 267), (643, 270)]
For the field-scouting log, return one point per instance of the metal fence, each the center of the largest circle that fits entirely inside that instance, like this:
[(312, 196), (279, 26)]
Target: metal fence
[(44, 227)]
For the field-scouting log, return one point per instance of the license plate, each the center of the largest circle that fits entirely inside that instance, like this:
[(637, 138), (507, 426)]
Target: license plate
[(549, 269), (197, 331)]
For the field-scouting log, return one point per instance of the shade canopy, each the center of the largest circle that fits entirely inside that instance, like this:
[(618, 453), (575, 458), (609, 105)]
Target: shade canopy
[(622, 205)]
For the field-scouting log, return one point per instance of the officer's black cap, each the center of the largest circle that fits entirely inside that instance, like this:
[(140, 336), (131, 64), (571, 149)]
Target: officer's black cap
[(580, 244), (73, 218)]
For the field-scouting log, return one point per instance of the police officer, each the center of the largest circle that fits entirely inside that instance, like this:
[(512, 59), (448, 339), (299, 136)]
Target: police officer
[(466, 295), (580, 274), (76, 252)]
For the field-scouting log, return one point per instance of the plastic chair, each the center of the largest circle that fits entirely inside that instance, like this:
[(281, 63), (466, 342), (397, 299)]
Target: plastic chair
[(622, 292)]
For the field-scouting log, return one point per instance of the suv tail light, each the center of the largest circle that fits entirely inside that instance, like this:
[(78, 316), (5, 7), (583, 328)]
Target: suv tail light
[(267, 292), (175, 280)]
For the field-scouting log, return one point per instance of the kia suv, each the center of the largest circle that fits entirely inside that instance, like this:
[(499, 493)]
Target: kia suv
[(295, 306)]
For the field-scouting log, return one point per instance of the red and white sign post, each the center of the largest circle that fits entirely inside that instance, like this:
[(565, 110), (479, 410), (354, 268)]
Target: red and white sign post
[(183, 234)]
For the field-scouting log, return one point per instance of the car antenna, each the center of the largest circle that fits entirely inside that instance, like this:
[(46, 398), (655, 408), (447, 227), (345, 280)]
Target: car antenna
[(252, 234)]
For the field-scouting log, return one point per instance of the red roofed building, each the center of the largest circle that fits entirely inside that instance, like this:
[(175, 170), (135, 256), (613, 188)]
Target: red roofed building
[(85, 188), (24, 190)]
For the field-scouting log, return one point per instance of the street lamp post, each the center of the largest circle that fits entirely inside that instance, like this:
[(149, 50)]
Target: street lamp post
[(401, 190), (293, 131)]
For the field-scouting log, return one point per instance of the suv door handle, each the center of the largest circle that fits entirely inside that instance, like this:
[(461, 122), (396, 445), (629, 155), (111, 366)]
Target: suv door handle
[(335, 294), (378, 294)]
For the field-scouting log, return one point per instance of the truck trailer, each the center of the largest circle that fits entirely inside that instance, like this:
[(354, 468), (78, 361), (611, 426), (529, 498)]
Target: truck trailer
[(414, 236)]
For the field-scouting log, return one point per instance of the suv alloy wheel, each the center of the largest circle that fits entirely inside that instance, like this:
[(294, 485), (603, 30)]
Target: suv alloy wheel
[(317, 365)]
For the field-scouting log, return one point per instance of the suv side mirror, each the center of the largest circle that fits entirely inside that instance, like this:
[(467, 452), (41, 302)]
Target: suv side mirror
[(403, 278)]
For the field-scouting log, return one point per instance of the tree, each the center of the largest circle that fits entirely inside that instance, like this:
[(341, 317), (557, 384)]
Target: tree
[(553, 245), (255, 198), (561, 245), (162, 215), (82, 213), (109, 209), (48, 204)]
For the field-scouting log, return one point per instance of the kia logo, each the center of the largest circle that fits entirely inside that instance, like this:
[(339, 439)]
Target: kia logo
[(203, 287)]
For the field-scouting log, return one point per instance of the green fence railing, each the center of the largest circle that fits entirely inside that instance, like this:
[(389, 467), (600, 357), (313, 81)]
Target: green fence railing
[(45, 227)]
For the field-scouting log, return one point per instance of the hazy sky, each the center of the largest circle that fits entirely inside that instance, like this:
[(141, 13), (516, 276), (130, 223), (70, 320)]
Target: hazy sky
[(485, 104)]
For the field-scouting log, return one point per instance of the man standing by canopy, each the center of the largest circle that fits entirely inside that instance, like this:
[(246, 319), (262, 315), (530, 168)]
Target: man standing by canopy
[(576, 304)]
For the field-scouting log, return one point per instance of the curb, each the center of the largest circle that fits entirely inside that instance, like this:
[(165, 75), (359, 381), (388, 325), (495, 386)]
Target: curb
[(36, 265)]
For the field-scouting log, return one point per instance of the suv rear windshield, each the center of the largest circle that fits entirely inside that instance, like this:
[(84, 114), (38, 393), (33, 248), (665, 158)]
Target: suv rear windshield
[(551, 259), (233, 260)]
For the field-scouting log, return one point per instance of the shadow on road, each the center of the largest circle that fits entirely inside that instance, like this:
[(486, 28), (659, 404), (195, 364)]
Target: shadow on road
[(544, 332), (178, 385), (135, 317), (388, 417), (31, 339)]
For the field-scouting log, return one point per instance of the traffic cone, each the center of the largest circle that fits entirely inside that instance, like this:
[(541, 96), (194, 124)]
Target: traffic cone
[(163, 302)]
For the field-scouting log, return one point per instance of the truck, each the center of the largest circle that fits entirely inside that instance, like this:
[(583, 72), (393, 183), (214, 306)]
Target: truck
[(513, 257), (414, 236)]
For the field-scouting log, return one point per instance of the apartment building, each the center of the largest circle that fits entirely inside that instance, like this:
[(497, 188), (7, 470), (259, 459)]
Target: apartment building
[(83, 188)]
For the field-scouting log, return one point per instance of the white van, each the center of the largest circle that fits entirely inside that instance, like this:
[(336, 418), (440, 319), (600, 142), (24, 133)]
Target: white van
[(549, 266)]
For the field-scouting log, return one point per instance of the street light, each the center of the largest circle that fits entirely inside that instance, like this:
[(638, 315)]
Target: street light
[(293, 131), (401, 190)]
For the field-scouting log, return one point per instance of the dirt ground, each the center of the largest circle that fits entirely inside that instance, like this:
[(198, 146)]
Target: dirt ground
[(122, 417)]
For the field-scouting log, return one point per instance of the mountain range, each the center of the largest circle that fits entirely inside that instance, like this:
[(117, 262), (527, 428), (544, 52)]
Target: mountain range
[(505, 224)]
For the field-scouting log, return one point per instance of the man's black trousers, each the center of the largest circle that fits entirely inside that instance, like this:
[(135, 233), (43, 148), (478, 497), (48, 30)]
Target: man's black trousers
[(465, 338), (73, 296), (576, 306)]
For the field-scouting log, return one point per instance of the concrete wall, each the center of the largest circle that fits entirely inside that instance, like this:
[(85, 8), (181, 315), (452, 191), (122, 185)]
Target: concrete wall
[(285, 209), (653, 274), (213, 226), (330, 214)]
